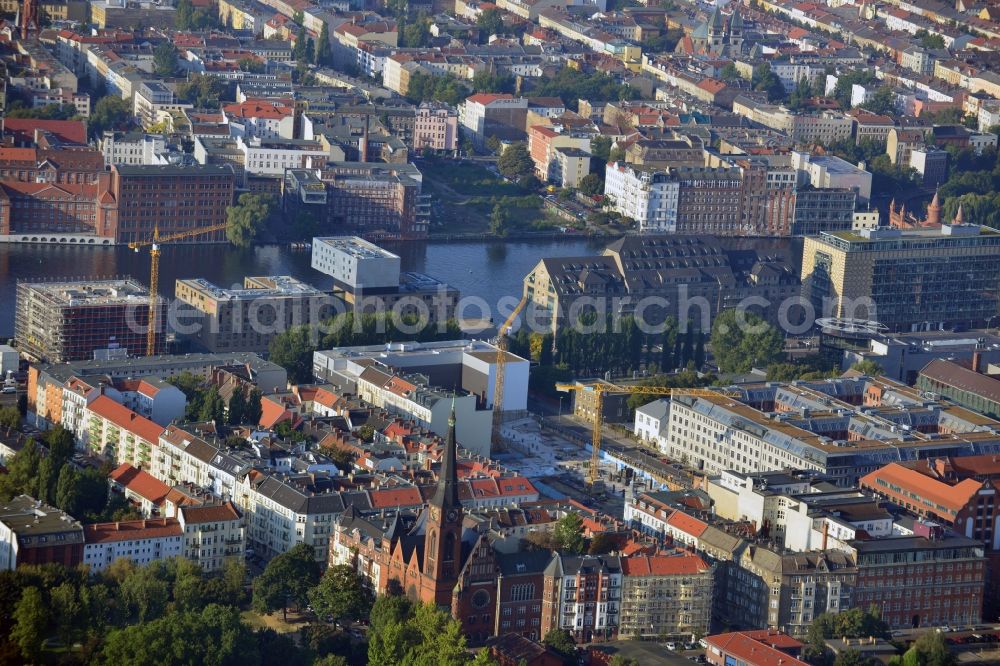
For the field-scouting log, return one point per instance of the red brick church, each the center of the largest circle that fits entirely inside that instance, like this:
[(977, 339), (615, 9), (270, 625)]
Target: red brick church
[(441, 558), (427, 559)]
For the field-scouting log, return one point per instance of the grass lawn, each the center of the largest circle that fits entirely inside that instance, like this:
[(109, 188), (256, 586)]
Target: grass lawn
[(468, 179), (295, 621)]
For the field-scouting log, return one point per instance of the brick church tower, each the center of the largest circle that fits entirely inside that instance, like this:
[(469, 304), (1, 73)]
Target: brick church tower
[(443, 531)]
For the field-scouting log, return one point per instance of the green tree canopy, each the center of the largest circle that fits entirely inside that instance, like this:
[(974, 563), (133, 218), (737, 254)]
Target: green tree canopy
[(165, 59), (10, 418), (246, 219), (569, 534), (767, 81), (324, 54), (293, 351), (742, 340), (287, 577), (31, 617), (203, 91), (499, 220), (490, 22), (592, 184), (342, 594), (109, 113), (215, 636), (868, 367), (515, 161), (561, 641)]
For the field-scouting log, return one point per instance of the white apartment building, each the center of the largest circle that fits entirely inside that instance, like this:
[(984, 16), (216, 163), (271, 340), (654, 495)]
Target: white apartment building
[(182, 457), (213, 534), (582, 595), (651, 420), (647, 196), (282, 512), (355, 264), (473, 111), (830, 172), (429, 406), (142, 541), (208, 534), (272, 157), (115, 432), (568, 166), (435, 127), (138, 149)]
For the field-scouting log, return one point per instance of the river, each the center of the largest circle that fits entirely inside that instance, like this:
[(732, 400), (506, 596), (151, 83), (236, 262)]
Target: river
[(489, 270)]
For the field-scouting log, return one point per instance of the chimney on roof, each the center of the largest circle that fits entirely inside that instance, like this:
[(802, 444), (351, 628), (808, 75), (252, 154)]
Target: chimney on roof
[(977, 361)]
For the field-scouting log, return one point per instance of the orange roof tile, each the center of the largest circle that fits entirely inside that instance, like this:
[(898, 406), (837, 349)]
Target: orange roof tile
[(686, 523), (141, 483), (131, 530), (386, 498), (664, 565), (212, 513), (70, 131), (953, 497), (754, 652), (125, 418)]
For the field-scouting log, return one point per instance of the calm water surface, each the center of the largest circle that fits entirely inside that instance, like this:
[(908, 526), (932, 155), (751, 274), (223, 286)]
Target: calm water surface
[(488, 270)]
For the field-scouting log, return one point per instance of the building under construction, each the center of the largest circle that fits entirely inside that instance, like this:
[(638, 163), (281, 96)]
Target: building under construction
[(70, 321)]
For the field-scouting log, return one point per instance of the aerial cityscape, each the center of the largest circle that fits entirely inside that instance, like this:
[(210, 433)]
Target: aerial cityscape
[(500, 332)]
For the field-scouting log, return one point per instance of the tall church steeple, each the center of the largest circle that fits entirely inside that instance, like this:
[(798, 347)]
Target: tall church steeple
[(443, 532), (446, 494)]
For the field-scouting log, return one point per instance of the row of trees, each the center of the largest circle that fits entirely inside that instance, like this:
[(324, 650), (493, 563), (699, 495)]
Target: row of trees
[(48, 474), (572, 85), (128, 615), (431, 88), (620, 347)]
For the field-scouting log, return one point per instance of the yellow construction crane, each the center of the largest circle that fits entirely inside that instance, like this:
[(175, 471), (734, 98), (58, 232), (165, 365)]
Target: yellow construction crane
[(154, 271), (601, 388), (503, 341)]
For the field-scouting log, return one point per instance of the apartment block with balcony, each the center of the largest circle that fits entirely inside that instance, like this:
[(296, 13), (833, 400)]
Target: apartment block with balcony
[(666, 595), (115, 432), (583, 595), (213, 534)]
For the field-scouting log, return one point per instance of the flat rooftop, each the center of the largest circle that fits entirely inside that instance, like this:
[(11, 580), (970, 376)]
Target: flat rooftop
[(354, 246), (945, 233), (27, 517), (98, 292), (269, 287)]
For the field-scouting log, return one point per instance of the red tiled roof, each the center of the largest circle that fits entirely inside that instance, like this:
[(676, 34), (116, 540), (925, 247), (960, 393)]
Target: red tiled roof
[(686, 523), (70, 131), (213, 513), (953, 497), (394, 497), (124, 417), (141, 483), (488, 98), (664, 565), (744, 647), (256, 109), (130, 530)]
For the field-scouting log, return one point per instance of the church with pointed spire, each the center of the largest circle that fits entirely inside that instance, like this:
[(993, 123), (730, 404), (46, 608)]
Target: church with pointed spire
[(427, 557), (719, 35)]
